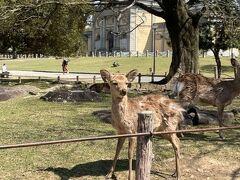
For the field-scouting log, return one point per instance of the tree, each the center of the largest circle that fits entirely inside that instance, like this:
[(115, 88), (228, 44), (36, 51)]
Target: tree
[(182, 18), (220, 28), (46, 27)]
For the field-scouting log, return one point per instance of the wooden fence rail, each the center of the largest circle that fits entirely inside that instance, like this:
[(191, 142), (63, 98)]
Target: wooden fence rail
[(94, 138)]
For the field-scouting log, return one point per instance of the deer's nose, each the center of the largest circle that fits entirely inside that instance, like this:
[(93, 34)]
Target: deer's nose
[(123, 92)]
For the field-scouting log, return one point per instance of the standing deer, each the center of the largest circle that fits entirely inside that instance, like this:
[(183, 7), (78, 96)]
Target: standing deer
[(192, 87), (167, 115)]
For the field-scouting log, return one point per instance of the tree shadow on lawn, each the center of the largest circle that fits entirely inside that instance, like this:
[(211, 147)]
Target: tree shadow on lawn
[(210, 69), (96, 168), (231, 137)]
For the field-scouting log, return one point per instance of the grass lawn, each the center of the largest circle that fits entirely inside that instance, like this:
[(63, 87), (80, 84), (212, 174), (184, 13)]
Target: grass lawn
[(29, 119), (89, 64)]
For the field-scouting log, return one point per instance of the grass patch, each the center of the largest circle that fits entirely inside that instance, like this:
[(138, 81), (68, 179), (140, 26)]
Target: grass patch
[(31, 120), (93, 65)]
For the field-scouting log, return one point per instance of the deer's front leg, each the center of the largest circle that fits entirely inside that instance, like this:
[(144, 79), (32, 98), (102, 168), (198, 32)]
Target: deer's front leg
[(131, 146), (118, 149)]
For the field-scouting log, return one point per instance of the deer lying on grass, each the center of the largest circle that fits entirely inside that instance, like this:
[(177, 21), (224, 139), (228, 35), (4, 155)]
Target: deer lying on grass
[(192, 87), (167, 115)]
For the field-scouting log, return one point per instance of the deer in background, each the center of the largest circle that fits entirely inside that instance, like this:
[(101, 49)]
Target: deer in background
[(167, 115), (192, 87)]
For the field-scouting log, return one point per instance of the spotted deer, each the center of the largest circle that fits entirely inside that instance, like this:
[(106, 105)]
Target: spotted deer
[(167, 115), (195, 87)]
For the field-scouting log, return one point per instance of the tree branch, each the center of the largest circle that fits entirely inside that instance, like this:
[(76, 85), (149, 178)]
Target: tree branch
[(50, 15), (151, 10)]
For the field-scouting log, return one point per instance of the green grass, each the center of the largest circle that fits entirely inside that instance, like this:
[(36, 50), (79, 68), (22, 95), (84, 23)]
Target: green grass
[(89, 64), (30, 119)]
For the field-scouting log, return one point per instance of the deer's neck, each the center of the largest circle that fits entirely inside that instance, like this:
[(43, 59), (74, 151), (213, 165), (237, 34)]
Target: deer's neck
[(119, 107)]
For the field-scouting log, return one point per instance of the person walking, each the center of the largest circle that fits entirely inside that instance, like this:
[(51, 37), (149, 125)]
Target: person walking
[(64, 65)]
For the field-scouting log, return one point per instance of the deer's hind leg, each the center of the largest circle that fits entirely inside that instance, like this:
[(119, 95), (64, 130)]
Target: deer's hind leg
[(220, 110), (118, 149), (176, 147)]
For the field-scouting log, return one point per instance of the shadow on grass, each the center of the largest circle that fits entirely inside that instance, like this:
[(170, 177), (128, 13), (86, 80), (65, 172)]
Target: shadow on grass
[(210, 68), (96, 168), (231, 137)]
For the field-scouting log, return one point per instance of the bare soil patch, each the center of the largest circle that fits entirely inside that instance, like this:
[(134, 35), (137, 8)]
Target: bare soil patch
[(14, 91)]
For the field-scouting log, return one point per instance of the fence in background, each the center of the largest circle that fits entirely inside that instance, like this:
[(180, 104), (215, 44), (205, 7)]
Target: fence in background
[(129, 54)]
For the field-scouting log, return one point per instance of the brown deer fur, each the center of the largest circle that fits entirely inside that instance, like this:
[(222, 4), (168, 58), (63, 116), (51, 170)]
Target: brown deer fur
[(192, 87), (167, 115)]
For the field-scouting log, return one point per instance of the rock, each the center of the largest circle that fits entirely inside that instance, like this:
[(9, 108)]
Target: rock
[(71, 96), (199, 116), (100, 87)]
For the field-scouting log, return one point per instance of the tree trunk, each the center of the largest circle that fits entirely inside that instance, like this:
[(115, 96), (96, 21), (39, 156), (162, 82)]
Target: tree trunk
[(184, 35), (218, 62), (14, 53)]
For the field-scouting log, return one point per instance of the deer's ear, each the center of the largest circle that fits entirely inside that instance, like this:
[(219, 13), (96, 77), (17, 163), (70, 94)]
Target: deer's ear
[(105, 75), (234, 62), (132, 75)]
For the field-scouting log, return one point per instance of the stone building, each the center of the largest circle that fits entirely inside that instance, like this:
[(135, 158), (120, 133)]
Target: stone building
[(133, 32)]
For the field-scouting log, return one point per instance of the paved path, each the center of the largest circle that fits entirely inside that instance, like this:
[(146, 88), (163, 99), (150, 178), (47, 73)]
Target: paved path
[(84, 76), (55, 75)]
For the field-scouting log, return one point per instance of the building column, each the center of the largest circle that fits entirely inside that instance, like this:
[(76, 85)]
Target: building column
[(116, 40), (103, 34)]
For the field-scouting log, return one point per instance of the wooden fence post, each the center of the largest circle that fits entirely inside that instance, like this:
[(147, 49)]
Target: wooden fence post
[(77, 79), (144, 146), (152, 77), (19, 80), (58, 79)]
